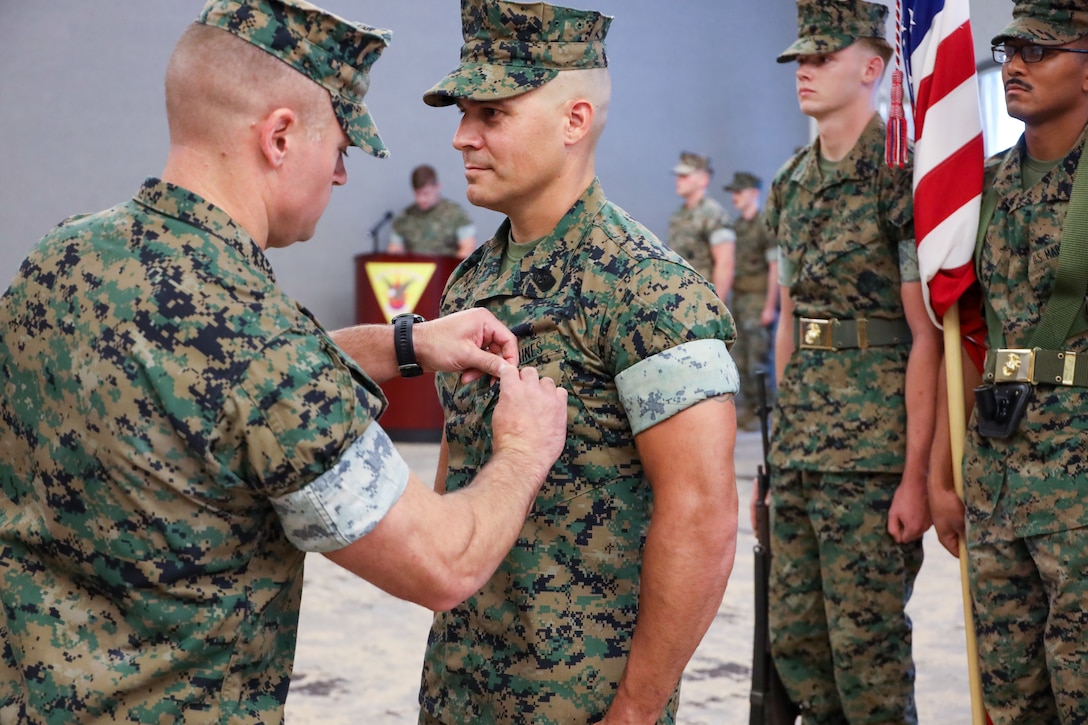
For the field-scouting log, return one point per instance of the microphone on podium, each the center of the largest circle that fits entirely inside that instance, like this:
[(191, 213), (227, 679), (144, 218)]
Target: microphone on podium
[(386, 218)]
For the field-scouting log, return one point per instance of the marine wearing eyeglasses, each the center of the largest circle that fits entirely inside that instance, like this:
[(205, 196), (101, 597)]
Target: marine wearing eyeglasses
[(1004, 53), (1027, 532)]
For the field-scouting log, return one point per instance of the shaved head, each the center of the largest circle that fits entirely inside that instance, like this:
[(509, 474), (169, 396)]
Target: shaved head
[(217, 84), (593, 85)]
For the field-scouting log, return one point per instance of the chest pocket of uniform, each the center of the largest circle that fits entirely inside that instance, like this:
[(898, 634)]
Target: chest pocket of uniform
[(598, 434), (843, 238), (470, 408)]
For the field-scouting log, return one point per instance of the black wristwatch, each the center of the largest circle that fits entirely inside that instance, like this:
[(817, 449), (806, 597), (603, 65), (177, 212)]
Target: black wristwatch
[(402, 343)]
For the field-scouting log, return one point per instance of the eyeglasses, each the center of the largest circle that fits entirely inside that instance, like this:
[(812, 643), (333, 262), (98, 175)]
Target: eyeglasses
[(1029, 53)]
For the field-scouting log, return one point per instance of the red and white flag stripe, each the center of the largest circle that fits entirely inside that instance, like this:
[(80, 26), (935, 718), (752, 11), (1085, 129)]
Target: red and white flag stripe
[(948, 146)]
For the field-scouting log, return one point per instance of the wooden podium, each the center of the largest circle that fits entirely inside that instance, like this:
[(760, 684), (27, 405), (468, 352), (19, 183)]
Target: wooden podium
[(391, 284)]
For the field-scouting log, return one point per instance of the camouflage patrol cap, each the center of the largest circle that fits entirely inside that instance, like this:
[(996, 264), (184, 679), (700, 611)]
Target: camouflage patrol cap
[(826, 26), (1054, 22), (690, 163), (513, 47), (743, 180), (333, 52)]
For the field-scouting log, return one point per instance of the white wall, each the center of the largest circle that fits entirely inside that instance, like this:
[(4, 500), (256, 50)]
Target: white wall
[(988, 18)]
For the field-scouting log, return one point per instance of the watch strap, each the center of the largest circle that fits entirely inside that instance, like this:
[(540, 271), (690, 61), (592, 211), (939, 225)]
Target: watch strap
[(402, 344)]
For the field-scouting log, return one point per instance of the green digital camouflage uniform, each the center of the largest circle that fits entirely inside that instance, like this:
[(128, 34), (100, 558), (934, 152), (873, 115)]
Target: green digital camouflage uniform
[(1027, 525), (174, 433), (756, 248), (165, 418), (434, 231), (839, 582), (1027, 517), (635, 336), (693, 231)]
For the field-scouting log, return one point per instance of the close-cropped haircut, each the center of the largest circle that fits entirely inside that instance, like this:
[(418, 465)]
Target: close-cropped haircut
[(213, 75), (880, 47), (592, 84), (422, 176)]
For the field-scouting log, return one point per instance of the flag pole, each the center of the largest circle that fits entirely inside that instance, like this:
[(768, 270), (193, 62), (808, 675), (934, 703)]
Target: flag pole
[(957, 429)]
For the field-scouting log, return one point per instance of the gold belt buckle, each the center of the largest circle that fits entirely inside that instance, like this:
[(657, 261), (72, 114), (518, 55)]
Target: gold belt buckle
[(1014, 366), (816, 334)]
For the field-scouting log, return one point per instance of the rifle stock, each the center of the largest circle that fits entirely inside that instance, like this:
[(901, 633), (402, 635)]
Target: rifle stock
[(770, 704)]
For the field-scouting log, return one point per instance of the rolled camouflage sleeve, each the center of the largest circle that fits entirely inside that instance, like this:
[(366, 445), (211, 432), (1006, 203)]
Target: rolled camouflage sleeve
[(908, 261), (722, 230), (466, 232), (670, 344), (661, 386), (300, 431), (347, 501), (723, 236)]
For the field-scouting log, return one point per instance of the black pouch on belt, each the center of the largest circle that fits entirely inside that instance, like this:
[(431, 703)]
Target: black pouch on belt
[(1001, 408)]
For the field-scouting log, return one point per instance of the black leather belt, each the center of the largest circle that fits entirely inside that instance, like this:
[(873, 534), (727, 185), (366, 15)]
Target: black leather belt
[(814, 333), (1020, 365)]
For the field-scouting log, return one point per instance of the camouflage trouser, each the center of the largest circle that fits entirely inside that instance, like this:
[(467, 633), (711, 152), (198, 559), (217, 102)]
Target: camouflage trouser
[(1031, 617), (839, 584), (749, 352)]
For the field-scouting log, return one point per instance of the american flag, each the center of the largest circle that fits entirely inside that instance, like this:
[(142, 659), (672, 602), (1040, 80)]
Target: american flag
[(948, 150), (948, 170)]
